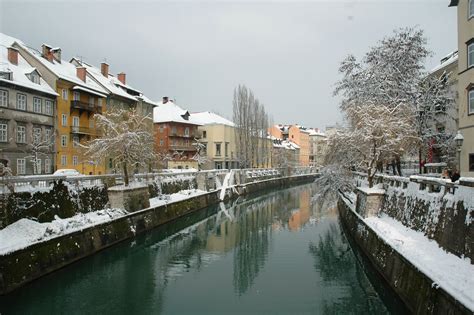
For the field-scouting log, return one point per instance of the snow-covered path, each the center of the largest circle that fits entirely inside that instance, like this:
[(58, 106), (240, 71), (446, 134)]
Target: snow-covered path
[(453, 274)]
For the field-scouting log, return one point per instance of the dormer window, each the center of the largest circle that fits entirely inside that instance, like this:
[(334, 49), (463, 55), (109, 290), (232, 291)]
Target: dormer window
[(7, 75), (185, 116), (34, 77)]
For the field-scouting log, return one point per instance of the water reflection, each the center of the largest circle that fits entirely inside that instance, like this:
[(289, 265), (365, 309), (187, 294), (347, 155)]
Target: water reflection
[(222, 259)]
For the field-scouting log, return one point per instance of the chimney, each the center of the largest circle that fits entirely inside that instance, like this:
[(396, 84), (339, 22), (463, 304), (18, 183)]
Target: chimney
[(81, 73), (104, 69), (56, 54), (165, 99), (13, 55), (121, 77), (46, 52)]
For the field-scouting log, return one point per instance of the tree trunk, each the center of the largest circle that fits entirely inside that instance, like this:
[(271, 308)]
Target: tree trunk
[(125, 173), (370, 178)]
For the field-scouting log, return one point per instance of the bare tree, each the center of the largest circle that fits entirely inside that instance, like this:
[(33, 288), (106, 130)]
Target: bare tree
[(251, 122), (125, 138), (38, 148)]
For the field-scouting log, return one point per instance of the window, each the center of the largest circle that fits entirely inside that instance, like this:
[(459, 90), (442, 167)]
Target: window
[(63, 160), (91, 100), (3, 98), (204, 148), (186, 131), (64, 120), (91, 123), (65, 94), (37, 167), (76, 96), (470, 55), (3, 131), (36, 135), (37, 102), (204, 134), (34, 77), (48, 133), (7, 75), (161, 129), (470, 97), (75, 141), (21, 101), (471, 162), (48, 107), (75, 121), (226, 149), (75, 160), (470, 12), (218, 149), (162, 142), (20, 134), (99, 102), (47, 166), (63, 140), (173, 130), (20, 166)]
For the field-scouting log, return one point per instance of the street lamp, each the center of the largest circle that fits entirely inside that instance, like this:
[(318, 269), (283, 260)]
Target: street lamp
[(459, 140)]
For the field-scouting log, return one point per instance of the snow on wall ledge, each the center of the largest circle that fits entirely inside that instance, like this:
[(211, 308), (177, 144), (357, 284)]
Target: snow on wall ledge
[(434, 210)]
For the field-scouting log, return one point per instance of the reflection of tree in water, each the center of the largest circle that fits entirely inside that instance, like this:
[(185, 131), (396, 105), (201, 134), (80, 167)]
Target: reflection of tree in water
[(253, 238), (348, 286)]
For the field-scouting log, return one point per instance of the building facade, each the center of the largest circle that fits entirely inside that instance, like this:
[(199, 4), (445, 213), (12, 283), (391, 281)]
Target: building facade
[(120, 95), (175, 133), (217, 136), (79, 98), (465, 14), (317, 148), (27, 114)]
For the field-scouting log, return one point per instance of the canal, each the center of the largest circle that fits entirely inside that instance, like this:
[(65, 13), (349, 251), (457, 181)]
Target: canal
[(276, 253)]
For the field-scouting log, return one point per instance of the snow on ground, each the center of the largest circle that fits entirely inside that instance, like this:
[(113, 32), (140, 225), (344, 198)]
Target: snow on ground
[(453, 274), (181, 195), (25, 232)]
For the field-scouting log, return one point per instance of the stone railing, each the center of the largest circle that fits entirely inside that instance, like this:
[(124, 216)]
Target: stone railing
[(441, 209), (43, 182)]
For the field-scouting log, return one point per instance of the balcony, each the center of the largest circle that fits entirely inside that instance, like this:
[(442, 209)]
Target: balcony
[(76, 130), (90, 108), (191, 135), (182, 148)]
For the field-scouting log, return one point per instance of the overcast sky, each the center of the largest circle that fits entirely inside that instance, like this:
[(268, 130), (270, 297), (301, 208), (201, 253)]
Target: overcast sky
[(197, 52)]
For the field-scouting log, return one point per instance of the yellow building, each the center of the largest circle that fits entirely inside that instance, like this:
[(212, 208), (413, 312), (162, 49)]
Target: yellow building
[(79, 99)]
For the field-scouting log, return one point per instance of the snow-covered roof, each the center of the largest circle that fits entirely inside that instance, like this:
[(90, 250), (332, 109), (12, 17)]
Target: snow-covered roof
[(19, 72), (63, 70), (285, 144), (112, 84), (210, 118), (446, 61), (315, 132), (170, 112)]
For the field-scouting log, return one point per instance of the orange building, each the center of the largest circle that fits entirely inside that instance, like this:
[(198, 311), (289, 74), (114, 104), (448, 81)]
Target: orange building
[(296, 134)]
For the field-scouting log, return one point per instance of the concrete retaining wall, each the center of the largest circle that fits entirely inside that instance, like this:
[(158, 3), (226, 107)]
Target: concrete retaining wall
[(23, 266), (413, 287)]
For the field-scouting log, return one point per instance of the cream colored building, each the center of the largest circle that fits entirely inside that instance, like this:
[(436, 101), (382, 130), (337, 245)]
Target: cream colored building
[(218, 136), (466, 82)]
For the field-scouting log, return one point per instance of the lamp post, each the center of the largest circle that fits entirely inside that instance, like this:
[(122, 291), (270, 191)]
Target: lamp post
[(459, 140)]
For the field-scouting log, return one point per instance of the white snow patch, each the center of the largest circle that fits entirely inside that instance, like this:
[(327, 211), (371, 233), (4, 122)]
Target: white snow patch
[(25, 232), (453, 274)]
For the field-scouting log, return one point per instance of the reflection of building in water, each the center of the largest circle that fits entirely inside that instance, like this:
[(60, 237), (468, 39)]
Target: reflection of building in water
[(299, 217)]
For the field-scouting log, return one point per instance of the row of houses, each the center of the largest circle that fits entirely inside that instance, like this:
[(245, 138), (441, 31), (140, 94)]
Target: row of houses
[(47, 105), (458, 67)]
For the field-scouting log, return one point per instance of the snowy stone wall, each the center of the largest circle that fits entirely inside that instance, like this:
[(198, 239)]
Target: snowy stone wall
[(442, 211), (418, 291), (62, 199)]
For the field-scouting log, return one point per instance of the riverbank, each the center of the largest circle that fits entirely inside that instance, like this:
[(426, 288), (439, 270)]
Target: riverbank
[(419, 271), (22, 266)]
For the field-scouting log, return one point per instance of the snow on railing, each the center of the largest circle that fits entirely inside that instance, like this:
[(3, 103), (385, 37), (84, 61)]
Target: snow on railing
[(45, 182)]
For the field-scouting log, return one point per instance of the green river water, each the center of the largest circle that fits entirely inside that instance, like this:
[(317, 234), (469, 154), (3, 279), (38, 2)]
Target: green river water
[(274, 253)]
